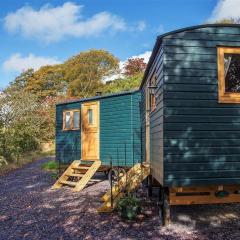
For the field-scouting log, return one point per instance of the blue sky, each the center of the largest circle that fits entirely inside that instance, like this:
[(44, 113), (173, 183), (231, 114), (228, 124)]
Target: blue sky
[(38, 32)]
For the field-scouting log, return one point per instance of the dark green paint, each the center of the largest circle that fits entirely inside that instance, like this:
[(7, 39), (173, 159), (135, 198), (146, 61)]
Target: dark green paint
[(199, 137), (120, 129)]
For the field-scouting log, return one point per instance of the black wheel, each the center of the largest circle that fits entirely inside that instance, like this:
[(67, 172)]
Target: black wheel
[(106, 173), (115, 174), (121, 172)]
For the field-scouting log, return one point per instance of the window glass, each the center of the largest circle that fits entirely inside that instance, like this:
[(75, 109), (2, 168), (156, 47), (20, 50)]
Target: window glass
[(152, 92), (68, 120), (232, 72), (76, 119), (90, 116), (152, 102)]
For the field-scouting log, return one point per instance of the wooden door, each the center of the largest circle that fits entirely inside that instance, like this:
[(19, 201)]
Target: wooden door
[(90, 131)]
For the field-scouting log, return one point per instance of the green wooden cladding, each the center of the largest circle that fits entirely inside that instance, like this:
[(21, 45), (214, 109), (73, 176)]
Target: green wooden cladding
[(194, 139), (120, 131)]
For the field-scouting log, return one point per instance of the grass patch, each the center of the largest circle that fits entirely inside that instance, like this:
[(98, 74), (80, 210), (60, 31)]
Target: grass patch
[(54, 175), (50, 166)]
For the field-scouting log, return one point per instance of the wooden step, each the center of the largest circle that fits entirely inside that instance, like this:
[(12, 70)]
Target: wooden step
[(95, 180), (87, 176), (69, 183), (74, 175), (81, 168), (84, 175), (68, 171), (127, 183)]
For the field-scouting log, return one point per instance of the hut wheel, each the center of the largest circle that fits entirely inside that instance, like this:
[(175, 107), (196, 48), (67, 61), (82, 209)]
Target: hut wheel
[(115, 174)]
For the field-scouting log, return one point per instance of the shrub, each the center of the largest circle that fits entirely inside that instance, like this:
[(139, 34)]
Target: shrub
[(128, 207)]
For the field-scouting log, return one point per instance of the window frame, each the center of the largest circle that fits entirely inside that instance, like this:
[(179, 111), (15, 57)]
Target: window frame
[(71, 120), (223, 96), (152, 97)]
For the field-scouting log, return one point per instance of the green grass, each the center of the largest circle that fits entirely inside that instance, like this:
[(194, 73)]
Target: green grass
[(54, 175), (50, 166)]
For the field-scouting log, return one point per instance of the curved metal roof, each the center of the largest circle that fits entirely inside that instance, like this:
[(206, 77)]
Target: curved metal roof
[(160, 37)]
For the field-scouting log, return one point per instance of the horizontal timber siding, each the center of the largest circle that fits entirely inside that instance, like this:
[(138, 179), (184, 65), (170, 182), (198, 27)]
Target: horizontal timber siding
[(156, 119), (201, 136), (67, 142), (120, 131)]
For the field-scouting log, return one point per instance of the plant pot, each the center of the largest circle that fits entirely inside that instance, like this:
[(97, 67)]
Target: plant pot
[(129, 212)]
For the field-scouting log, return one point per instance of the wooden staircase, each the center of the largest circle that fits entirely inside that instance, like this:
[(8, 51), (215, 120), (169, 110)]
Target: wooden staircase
[(78, 175), (127, 183)]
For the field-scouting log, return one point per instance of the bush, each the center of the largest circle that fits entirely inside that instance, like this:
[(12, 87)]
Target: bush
[(128, 207), (3, 161)]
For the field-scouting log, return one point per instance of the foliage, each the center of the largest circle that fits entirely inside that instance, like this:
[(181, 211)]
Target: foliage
[(21, 124), (3, 161), (48, 81), (85, 71), (79, 76), (22, 80), (51, 165), (122, 85), (128, 200), (134, 66), (228, 21), (129, 207), (27, 106)]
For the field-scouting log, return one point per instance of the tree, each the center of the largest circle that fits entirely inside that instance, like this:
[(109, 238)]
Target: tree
[(134, 66), (228, 21), (79, 76), (21, 81), (121, 85), (47, 81), (22, 126), (85, 72)]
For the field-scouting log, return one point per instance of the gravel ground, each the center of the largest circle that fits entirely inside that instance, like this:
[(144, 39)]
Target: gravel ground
[(30, 210)]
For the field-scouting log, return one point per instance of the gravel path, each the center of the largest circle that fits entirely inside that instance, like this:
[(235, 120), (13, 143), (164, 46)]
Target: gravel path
[(30, 210)]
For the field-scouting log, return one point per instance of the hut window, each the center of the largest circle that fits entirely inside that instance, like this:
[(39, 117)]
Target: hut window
[(71, 120), (67, 120), (76, 119), (90, 116), (152, 88), (152, 102), (229, 74)]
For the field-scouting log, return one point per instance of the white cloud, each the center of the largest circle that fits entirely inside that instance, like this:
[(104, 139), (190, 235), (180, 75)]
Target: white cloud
[(146, 55), (226, 9), (141, 25), (19, 63), (51, 24)]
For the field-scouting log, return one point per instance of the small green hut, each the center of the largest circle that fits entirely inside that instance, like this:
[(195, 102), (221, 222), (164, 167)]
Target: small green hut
[(105, 128)]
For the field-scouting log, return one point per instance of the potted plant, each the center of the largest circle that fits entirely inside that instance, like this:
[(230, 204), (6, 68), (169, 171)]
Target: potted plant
[(128, 207)]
